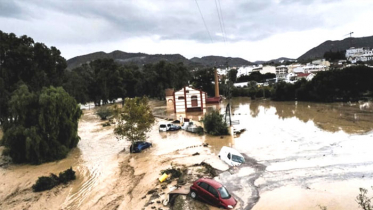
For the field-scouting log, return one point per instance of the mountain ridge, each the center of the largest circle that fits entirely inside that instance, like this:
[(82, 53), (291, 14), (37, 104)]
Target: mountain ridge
[(336, 45)]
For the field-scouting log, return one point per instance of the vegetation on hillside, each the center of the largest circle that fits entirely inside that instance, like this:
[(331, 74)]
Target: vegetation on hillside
[(256, 76), (332, 56), (349, 84)]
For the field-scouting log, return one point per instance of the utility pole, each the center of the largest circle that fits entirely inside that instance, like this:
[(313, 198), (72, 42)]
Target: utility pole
[(228, 110)]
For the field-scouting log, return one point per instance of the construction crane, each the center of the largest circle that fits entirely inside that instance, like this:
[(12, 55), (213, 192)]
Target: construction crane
[(349, 34)]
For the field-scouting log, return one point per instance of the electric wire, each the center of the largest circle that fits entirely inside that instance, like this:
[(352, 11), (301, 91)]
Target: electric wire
[(204, 22), (220, 23), (222, 20)]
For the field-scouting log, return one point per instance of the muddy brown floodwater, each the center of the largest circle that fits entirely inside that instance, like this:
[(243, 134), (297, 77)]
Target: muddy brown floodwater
[(299, 156)]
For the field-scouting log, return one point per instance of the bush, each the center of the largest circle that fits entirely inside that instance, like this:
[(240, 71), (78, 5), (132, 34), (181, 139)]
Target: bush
[(214, 125), (67, 176), (45, 183), (104, 112), (48, 182)]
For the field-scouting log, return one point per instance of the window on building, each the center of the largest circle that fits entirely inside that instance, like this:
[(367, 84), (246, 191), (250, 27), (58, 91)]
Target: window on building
[(180, 98)]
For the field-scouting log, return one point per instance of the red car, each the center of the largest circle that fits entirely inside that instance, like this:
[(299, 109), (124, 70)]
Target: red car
[(212, 192)]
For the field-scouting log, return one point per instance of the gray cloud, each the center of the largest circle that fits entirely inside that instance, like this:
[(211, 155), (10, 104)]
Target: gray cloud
[(11, 9), (173, 20), (88, 22)]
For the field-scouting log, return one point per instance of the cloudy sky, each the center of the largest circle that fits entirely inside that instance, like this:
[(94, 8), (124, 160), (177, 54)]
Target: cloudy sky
[(251, 29)]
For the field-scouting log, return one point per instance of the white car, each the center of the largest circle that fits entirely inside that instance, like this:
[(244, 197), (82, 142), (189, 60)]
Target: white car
[(163, 126), (231, 156)]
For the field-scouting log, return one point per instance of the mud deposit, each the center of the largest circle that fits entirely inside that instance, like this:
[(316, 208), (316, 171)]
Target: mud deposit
[(299, 156)]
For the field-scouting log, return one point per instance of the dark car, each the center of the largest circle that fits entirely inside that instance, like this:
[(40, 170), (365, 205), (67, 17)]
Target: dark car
[(212, 192), (172, 127), (139, 146)]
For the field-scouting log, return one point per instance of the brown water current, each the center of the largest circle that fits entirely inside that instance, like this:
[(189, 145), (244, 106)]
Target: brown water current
[(299, 155)]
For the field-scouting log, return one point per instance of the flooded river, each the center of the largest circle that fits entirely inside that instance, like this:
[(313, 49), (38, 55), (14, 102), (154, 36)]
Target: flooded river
[(313, 153), (300, 155)]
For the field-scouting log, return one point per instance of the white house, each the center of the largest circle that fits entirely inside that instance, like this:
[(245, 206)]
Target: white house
[(281, 72), (268, 69), (188, 99), (359, 54)]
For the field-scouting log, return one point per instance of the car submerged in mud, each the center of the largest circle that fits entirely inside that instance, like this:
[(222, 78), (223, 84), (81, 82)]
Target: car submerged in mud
[(212, 192), (164, 126), (231, 156), (139, 146)]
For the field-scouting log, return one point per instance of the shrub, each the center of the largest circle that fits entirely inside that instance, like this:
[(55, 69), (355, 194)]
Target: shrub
[(104, 112), (214, 125), (67, 176), (45, 183), (48, 182)]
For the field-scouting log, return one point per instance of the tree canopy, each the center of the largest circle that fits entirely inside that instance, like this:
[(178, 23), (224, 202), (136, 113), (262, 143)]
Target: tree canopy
[(43, 125), (256, 76), (105, 80), (22, 61), (135, 120), (348, 84), (39, 121), (213, 123)]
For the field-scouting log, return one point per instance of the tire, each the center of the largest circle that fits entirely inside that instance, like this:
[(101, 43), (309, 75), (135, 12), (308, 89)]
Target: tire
[(193, 194)]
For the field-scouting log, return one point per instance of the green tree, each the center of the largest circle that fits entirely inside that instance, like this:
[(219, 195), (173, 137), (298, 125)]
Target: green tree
[(24, 61), (214, 124), (202, 79), (232, 75), (42, 126), (135, 120)]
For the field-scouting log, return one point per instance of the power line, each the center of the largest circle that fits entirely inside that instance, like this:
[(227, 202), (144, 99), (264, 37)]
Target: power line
[(222, 20), (220, 23), (204, 22)]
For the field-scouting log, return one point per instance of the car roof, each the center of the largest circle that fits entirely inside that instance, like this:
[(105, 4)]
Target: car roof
[(231, 150), (211, 182)]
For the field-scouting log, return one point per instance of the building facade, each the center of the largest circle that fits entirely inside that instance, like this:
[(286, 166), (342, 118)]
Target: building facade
[(188, 99)]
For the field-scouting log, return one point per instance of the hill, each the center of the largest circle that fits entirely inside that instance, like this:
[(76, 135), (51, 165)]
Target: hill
[(141, 58), (276, 61), (220, 61), (125, 58), (339, 45)]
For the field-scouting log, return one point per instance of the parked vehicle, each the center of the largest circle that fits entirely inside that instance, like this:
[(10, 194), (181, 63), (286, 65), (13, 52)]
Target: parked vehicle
[(172, 127), (190, 127), (139, 146), (231, 156), (212, 192), (165, 126)]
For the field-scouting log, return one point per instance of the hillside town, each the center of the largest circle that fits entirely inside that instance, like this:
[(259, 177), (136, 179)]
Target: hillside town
[(295, 70)]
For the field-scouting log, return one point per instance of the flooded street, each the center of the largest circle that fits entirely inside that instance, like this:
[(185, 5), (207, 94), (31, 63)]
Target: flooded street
[(299, 155), (313, 154)]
